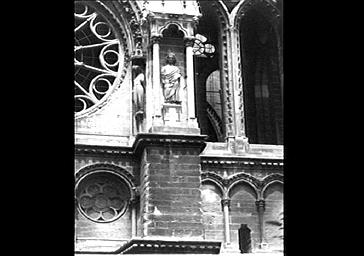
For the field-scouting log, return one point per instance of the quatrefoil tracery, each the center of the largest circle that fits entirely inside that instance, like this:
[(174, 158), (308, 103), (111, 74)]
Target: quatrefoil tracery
[(102, 197)]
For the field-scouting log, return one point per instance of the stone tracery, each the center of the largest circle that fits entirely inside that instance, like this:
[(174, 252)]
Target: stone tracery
[(102, 198), (103, 50), (98, 57)]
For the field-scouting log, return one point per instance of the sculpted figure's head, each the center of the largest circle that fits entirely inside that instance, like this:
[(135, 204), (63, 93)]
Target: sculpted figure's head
[(171, 58)]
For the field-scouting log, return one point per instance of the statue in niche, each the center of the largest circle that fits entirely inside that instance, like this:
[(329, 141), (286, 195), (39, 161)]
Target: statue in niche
[(244, 239), (171, 80), (138, 95)]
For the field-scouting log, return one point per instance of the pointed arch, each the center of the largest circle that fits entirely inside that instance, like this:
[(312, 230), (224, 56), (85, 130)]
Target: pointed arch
[(168, 25), (243, 180), (220, 15), (258, 26), (219, 188), (270, 180), (215, 179), (245, 5)]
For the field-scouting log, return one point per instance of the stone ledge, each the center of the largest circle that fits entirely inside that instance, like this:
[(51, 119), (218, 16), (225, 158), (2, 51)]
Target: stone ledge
[(102, 150), (148, 246), (144, 139), (256, 151), (101, 140)]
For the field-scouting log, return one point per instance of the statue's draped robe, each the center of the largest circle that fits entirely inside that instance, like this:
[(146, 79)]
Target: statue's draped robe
[(171, 82), (139, 92)]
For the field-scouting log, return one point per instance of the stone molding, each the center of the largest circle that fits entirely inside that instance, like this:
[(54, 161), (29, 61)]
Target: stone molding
[(146, 246), (81, 149), (133, 14), (227, 89), (102, 150), (228, 161), (144, 139)]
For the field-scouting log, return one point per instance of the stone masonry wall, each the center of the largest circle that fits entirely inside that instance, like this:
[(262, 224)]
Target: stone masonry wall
[(170, 196)]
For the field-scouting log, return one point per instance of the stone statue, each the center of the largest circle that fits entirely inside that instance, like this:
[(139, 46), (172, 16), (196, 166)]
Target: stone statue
[(138, 88), (138, 96), (245, 239), (171, 80)]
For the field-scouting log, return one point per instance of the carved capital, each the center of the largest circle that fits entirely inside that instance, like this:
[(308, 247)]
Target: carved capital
[(260, 205), (189, 41), (155, 39), (225, 201)]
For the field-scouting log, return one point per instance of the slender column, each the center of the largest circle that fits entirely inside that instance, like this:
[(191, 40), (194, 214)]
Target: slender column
[(225, 207), (148, 90), (155, 40), (133, 204), (261, 208), (237, 88), (189, 41)]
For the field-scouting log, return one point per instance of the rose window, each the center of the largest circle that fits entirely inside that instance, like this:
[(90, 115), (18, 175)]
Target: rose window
[(102, 197), (98, 58)]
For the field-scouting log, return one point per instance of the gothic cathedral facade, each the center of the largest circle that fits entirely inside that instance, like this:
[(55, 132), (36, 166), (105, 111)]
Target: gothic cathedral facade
[(178, 126)]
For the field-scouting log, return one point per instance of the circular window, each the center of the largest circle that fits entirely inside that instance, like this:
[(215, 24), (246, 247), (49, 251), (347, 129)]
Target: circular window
[(102, 197), (98, 58), (201, 48), (198, 47)]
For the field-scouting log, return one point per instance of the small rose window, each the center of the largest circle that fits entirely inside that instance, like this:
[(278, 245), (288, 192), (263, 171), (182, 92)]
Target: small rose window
[(202, 48), (102, 197)]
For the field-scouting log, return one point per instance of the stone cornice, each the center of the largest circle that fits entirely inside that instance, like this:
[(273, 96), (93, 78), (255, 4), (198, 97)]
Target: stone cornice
[(186, 8), (164, 139), (146, 246), (241, 161), (141, 140), (145, 139), (102, 150)]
